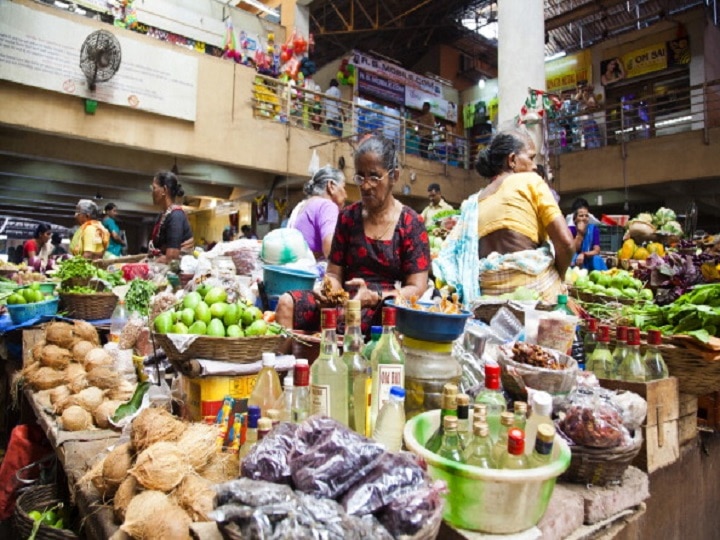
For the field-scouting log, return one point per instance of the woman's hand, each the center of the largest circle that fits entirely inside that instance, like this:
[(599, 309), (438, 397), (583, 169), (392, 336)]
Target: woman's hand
[(579, 260), (368, 297)]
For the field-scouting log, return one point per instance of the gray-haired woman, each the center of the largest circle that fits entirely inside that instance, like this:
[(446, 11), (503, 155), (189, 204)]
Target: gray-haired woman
[(316, 216), (91, 238)]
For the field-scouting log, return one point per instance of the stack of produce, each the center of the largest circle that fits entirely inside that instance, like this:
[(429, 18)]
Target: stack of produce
[(84, 389), (439, 227), (161, 480), (76, 275), (613, 283)]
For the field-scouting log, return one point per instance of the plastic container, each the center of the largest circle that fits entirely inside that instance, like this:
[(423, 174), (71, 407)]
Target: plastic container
[(267, 388), (430, 326), (391, 420), (20, 313), (428, 367), (488, 500), (279, 280)]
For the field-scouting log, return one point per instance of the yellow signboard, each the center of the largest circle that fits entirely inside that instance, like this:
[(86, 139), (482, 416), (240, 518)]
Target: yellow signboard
[(649, 59), (568, 72), (645, 60)]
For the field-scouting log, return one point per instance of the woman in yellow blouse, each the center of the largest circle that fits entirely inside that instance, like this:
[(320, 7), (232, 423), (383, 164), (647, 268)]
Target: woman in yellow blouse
[(508, 226), (91, 238)]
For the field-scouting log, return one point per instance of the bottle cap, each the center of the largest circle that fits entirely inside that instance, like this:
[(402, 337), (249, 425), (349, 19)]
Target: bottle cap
[(562, 299), (592, 325), (520, 407), (397, 391), (603, 333), (480, 409), (328, 318), (546, 432), (654, 337), (268, 359), (273, 414), (449, 388), (449, 401), (264, 424), (253, 411), (507, 418), (492, 376), (375, 332), (450, 423), (516, 441), (389, 316), (353, 304), (301, 374), (633, 336), (463, 400), (542, 403), (621, 333), (288, 380), (481, 429)]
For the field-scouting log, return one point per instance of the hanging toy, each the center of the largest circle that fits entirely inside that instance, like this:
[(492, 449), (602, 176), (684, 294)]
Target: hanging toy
[(280, 205), (300, 44), (260, 207), (131, 20), (230, 50)]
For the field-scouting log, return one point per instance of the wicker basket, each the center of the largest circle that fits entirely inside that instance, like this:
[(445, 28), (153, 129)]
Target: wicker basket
[(20, 313), (238, 350), (585, 296), (90, 307), (601, 466), (486, 311), (38, 498)]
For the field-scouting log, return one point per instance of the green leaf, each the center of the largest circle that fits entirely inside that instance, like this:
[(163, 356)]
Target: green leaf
[(701, 335)]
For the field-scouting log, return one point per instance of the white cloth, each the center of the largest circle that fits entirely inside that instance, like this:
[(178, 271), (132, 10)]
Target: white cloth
[(332, 109)]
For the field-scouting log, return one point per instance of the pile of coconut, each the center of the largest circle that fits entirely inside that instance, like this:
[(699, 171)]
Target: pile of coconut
[(84, 389), (161, 480)]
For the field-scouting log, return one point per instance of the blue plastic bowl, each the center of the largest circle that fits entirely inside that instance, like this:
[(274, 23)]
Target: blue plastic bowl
[(280, 279), (430, 326)]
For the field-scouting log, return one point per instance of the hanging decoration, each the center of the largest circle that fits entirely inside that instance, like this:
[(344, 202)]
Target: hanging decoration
[(346, 73), (230, 48), (280, 205), (261, 208), (131, 19), (538, 105)]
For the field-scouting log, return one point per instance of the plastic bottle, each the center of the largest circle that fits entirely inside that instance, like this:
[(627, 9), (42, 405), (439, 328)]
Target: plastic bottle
[(542, 452), (493, 397), (479, 452), (251, 435), (514, 457), (590, 338), (388, 364), (450, 445), (541, 412), (284, 404), (118, 320), (500, 447), (633, 368), (375, 333), (655, 367), (520, 412), (329, 374), (301, 391), (448, 408), (391, 421), (621, 348), (577, 350), (360, 374), (601, 362), (267, 388)]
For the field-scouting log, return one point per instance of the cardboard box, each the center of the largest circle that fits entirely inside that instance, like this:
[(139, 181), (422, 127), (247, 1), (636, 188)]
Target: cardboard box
[(661, 445), (204, 396)]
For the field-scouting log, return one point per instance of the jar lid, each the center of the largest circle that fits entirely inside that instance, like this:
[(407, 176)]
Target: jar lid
[(429, 346)]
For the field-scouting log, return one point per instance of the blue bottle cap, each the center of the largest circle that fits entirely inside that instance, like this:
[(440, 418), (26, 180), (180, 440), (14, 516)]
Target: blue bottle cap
[(375, 330), (254, 411), (397, 391)]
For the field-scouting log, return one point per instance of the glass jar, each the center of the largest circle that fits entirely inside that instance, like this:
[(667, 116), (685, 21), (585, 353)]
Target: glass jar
[(428, 367)]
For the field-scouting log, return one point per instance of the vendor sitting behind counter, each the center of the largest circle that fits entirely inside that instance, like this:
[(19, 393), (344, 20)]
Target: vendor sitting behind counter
[(377, 242)]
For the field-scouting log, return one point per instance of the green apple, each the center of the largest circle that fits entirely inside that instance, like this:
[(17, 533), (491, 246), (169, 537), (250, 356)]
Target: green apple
[(250, 315), (216, 328), (215, 295), (234, 331), (218, 309), (232, 315), (191, 300), (179, 328), (187, 316), (257, 328), (16, 298), (202, 313), (198, 327)]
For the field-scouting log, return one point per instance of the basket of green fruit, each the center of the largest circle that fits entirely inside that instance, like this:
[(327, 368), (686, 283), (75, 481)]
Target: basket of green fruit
[(40, 514), (30, 303)]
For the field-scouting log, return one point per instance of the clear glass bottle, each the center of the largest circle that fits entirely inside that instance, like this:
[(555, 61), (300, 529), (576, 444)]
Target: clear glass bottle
[(391, 421), (448, 408), (500, 446), (493, 398), (360, 376), (301, 391), (118, 320), (520, 412), (479, 452), (621, 349), (514, 457), (285, 401), (450, 445), (274, 416), (388, 365), (375, 333), (542, 452), (633, 368), (329, 374), (267, 387), (590, 338), (463, 424), (655, 367), (577, 350), (251, 434), (601, 361), (542, 407)]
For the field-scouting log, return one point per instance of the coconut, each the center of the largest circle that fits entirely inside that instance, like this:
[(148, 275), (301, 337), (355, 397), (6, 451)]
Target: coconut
[(123, 392), (75, 418), (196, 496), (60, 334), (151, 515), (86, 332), (45, 378), (36, 350), (198, 443), (78, 383), (125, 492), (55, 357), (104, 412), (103, 377), (80, 349), (93, 476), (89, 399), (153, 425), (59, 393), (74, 370), (161, 466), (116, 466), (221, 468), (97, 357)]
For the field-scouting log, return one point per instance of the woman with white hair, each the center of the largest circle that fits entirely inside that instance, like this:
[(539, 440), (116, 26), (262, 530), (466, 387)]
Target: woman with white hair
[(91, 238)]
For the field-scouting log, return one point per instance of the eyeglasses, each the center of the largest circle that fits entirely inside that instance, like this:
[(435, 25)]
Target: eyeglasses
[(373, 179)]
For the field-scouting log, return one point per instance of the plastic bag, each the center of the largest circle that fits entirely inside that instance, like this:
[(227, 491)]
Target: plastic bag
[(590, 419), (328, 458), (412, 511), (268, 459)]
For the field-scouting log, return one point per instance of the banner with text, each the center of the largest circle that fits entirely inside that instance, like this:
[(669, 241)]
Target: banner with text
[(646, 60), (370, 84), (440, 107), (568, 72), (396, 73), (41, 50)]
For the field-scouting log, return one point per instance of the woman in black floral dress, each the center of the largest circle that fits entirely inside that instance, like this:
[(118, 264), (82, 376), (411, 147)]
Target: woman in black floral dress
[(378, 242)]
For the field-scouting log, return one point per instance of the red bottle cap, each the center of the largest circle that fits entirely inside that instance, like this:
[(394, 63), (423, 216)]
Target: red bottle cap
[(592, 325), (301, 375), (654, 337), (389, 315), (492, 376), (633, 336), (603, 333), (516, 441), (328, 318), (621, 333)]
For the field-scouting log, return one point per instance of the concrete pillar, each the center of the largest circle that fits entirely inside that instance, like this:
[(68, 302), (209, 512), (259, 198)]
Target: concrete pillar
[(521, 55)]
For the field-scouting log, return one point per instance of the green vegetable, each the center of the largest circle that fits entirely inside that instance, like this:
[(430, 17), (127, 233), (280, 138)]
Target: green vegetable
[(132, 406), (77, 267), (139, 295)]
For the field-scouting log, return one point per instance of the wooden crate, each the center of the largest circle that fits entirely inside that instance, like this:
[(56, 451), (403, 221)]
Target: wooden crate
[(708, 413), (661, 445), (688, 418)]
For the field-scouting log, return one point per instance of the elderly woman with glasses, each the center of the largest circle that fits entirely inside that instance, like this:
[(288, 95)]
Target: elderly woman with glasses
[(91, 238), (378, 242)]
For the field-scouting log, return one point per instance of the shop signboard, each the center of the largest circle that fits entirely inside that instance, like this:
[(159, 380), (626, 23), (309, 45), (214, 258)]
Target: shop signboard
[(569, 72), (371, 84), (656, 57), (440, 107), (395, 73)]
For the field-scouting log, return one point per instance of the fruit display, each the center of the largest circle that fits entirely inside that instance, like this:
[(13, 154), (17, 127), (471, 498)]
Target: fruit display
[(660, 226), (439, 227), (639, 252), (28, 295), (206, 311), (615, 283)]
